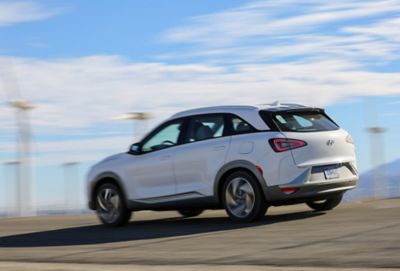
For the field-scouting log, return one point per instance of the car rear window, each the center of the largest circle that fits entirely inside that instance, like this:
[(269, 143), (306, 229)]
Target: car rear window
[(303, 121)]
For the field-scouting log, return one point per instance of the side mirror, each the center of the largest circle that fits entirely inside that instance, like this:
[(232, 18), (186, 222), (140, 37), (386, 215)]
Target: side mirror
[(135, 148)]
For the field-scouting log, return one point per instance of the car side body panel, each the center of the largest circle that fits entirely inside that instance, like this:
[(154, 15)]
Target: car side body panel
[(197, 163)]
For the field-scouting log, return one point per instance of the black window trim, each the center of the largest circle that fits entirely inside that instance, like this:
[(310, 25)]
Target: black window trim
[(183, 133), (232, 132), (228, 130), (228, 126)]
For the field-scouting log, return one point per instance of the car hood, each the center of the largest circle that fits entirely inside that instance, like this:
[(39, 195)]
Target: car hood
[(112, 157)]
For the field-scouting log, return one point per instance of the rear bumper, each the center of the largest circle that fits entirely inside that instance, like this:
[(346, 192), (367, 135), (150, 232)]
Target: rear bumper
[(309, 191)]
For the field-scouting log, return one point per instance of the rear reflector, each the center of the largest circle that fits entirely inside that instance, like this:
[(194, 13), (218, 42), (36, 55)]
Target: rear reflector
[(285, 144), (289, 190), (260, 170)]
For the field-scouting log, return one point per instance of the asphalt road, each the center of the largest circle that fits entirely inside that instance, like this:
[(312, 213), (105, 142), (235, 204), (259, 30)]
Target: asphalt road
[(358, 235)]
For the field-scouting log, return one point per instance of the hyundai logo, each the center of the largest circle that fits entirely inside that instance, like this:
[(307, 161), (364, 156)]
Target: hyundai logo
[(330, 142)]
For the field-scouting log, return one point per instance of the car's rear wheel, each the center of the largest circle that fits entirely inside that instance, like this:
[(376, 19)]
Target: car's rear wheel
[(242, 197), (190, 212), (110, 206), (326, 204)]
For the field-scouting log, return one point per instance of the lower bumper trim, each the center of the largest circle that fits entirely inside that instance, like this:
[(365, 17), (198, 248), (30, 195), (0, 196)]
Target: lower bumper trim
[(275, 196)]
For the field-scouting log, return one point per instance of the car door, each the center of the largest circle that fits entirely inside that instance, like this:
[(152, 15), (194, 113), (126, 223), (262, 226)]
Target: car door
[(197, 161), (151, 172)]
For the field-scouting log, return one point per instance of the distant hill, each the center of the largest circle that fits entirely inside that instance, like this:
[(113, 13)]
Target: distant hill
[(389, 174)]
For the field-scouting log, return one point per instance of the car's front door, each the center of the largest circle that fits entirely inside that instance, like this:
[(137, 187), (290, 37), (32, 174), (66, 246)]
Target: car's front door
[(197, 162), (151, 173)]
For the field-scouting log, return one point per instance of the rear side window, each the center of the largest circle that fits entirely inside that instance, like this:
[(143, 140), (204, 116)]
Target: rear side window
[(239, 126), (205, 127), (307, 121)]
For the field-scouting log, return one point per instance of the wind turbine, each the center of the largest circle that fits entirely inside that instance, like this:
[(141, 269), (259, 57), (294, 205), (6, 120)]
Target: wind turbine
[(136, 117), (23, 147)]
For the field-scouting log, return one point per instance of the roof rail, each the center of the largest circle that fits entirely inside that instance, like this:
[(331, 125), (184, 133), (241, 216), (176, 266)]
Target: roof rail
[(279, 104)]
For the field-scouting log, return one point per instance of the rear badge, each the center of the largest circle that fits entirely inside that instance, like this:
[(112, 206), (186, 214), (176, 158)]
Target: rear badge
[(330, 142)]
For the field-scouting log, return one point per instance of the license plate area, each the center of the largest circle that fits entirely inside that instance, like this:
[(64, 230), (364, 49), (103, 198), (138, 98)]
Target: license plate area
[(331, 173)]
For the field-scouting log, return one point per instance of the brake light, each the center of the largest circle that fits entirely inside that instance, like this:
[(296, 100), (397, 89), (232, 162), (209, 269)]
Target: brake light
[(285, 144)]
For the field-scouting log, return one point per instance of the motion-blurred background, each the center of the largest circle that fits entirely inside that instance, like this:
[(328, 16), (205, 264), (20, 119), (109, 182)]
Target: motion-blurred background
[(80, 80)]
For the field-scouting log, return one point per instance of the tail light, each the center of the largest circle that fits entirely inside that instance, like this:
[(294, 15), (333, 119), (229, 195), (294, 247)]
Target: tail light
[(285, 144)]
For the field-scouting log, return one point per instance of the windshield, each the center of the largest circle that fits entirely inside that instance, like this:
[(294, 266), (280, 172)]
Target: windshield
[(306, 121)]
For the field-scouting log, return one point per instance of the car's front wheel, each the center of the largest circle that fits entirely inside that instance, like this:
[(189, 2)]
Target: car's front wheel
[(242, 197), (110, 206), (326, 204)]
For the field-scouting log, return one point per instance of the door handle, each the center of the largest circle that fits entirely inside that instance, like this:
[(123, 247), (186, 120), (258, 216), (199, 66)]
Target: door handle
[(165, 157), (219, 148)]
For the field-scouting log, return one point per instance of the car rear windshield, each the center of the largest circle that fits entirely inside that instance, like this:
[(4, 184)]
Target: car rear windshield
[(301, 121)]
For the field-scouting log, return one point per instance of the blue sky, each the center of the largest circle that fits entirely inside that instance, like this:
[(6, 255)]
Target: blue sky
[(132, 29), (84, 62)]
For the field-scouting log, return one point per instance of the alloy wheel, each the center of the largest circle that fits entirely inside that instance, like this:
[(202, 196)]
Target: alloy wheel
[(240, 197), (108, 201)]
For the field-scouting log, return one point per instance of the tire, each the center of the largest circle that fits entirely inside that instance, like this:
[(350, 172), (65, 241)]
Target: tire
[(325, 205), (190, 212), (110, 206), (243, 198)]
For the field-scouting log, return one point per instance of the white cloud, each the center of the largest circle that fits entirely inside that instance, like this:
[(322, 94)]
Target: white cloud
[(269, 30), (12, 12), (271, 18), (388, 29), (84, 92)]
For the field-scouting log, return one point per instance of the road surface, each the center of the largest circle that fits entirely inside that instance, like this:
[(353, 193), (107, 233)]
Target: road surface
[(358, 235)]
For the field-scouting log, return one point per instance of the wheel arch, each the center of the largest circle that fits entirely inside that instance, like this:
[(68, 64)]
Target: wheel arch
[(105, 177), (231, 167)]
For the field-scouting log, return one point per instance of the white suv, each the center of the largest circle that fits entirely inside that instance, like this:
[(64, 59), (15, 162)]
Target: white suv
[(241, 158)]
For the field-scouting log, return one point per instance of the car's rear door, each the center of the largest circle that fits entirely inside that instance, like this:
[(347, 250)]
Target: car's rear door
[(197, 161)]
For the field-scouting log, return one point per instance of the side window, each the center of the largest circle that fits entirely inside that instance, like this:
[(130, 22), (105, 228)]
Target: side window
[(240, 126), (164, 138), (205, 127)]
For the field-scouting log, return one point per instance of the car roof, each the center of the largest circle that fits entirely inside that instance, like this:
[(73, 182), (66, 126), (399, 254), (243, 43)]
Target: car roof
[(215, 109), (236, 109), (247, 112)]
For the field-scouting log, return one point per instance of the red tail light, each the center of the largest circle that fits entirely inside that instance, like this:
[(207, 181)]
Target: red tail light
[(285, 144)]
